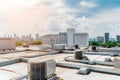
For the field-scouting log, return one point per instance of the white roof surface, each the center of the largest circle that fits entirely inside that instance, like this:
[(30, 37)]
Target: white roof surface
[(14, 70), (67, 74)]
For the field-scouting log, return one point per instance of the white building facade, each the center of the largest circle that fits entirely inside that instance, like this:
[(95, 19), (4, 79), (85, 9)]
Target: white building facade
[(50, 39), (69, 38), (81, 39), (100, 38), (62, 38), (37, 36)]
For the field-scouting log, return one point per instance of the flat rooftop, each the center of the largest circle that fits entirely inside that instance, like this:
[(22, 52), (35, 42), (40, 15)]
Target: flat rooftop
[(11, 71), (4, 57)]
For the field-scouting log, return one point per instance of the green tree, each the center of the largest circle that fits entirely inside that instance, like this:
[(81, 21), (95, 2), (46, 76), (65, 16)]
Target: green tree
[(104, 45), (111, 44), (36, 42), (118, 45), (19, 43), (94, 43)]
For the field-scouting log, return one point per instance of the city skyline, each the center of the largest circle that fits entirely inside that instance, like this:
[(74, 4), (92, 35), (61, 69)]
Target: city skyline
[(45, 16), (37, 34), (59, 39)]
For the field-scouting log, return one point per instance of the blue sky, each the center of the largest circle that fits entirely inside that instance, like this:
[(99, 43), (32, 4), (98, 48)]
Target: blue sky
[(53, 16), (100, 5)]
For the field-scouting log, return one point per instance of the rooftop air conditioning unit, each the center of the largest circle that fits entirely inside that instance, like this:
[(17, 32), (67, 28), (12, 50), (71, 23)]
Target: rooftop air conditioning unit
[(41, 69), (79, 54), (108, 59), (59, 47)]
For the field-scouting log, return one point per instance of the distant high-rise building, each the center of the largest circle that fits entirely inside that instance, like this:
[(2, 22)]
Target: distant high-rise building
[(106, 37), (45, 39), (26, 38), (112, 39), (4, 36), (50, 39), (118, 38), (70, 36), (100, 38), (37, 36), (62, 38), (30, 35), (8, 36), (92, 39), (81, 39), (15, 35)]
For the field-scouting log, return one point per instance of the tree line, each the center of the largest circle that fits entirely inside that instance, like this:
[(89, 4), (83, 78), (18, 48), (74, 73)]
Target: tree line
[(34, 42), (105, 45)]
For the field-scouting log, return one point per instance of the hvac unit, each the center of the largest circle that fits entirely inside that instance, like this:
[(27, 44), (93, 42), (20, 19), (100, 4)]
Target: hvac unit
[(59, 47), (79, 54), (41, 69), (108, 60)]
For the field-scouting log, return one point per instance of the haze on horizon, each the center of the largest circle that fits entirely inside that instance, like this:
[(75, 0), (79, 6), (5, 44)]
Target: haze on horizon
[(52, 16)]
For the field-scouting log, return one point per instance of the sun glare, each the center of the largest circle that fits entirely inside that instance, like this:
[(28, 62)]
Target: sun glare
[(22, 3)]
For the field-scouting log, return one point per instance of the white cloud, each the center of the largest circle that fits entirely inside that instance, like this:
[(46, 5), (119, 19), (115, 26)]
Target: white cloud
[(47, 16), (96, 25), (18, 3), (88, 4), (33, 19), (108, 22), (109, 16)]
